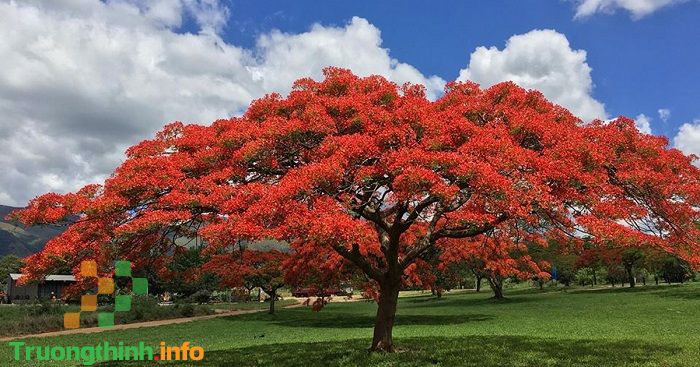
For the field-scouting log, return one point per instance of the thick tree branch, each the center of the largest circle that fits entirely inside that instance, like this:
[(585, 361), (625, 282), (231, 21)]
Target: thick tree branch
[(429, 240), (415, 213), (469, 231), (359, 260)]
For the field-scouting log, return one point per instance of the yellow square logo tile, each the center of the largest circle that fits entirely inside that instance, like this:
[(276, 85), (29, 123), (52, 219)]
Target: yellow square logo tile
[(88, 303), (105, 286), (88, 268), (71, 320)]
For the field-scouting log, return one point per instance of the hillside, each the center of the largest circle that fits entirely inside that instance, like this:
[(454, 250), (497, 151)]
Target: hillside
[(16, 239)]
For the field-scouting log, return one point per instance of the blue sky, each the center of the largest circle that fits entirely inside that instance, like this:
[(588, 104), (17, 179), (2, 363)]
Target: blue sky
[(639, 65), (82, 80)]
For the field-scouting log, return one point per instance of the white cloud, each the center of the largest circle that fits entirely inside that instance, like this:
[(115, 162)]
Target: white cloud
[(643, 123), (637, 8), (542, 60), (664, 114), (688, 138), (357, 46), (82, 80), (209, 14)]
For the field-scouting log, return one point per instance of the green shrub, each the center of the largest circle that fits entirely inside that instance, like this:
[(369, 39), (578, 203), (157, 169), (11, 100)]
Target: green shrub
[(39, 317), (43, 307), (201, 296), (186, 310)]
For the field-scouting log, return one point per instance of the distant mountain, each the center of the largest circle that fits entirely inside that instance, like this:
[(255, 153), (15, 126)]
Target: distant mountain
[(19, 240)]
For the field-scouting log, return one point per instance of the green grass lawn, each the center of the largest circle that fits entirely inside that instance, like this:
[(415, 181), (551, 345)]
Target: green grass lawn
[(647, 326), (244, 306)]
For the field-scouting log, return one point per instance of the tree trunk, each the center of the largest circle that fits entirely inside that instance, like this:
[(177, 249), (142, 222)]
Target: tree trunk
[(656, 279), (386, 312), (630, 275), (478, 284), (496, 284), (273, 296), (595, 281)]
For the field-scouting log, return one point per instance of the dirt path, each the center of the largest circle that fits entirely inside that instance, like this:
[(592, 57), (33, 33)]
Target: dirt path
[(92, 330)]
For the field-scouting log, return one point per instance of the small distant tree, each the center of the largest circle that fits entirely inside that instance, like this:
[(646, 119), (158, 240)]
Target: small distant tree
[(266, 270), (263, 269), (8, 264), (566, 275), (590, 261), (502, 254), (561, 254), (631, 258), (675, 270), (438, 275), (477, 267), (623, 263), (615, 275), (455, 276), (654, 263), (185, 276)]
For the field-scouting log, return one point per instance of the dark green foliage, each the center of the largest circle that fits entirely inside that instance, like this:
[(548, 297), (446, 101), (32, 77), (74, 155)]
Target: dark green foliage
[(187, 310), (631, 259), (675, 270), (146, 308), (8, 264), (566, 275), (201, 297), (616, 275), (43, 307), (182, 265)]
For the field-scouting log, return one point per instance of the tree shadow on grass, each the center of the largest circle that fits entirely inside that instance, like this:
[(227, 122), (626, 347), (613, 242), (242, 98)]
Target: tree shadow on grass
[(680, 292), (638, 289), (483, 351), (448, 301), (348, 320)]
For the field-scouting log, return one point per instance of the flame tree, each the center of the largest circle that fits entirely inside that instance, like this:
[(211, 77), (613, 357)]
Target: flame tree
[(360, 172)]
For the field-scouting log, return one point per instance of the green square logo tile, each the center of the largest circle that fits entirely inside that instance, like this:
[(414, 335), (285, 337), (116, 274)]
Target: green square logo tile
[(139, 286), (105, 319), (122, 303), (122, 268)]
